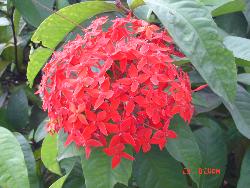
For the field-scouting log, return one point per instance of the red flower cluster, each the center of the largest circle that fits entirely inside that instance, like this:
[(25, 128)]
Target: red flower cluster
[(116, 87)]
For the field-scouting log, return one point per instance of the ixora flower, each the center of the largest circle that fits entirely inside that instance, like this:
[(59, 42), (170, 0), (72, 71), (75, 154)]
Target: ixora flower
[(115, 87)]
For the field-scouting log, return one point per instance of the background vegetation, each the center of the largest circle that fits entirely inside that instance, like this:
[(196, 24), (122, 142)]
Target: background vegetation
[(214, 36)]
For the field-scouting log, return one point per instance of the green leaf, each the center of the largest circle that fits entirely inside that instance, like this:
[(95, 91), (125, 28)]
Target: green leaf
[(34, 99), (239, 46), (185, 148), (195, 77), (157, 169), (227, 6), (241, 62), (232, 136), (75, 178), (8, 52), (5, 34), (205, 101), (244, 180), (233, 24), (17, 109), (194, 31), (214, 152), (3, 119), (62, 3), (49, 154), (17, 18), (53, 30), (65, 151), (37, 59), (29, 160), (74, 181), (34, 11), (240, 110), (135, 3), (98, 172), (247, 13), (41, 131), (59, 183), (2, 46), (244, 78), (180, 61), (13, 172), (145, 13), (4, 21), (68, 163)]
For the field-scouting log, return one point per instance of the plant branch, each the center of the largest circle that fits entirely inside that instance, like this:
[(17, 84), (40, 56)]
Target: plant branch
[(4, 13), (14, 38), (119, 5)]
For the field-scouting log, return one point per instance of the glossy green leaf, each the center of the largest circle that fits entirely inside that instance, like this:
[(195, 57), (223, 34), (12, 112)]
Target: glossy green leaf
[(41, 132), (135, 3), (180, 61), (13, 171), (247, 13), (119, 185), (68, 168), (233, 24), (240, 110), (205, 101), (244, 180), (239, 46), (244, 78), (3, 119), (195, 77), (59, 183), (2, 46), (157, 169), (36, 100), (185, 148), (62, 3), (37, 59), (194, 31), (145, 13), (242, 62), (49, 154), (74, 181), (3, 97), (29, 160), (75, 178), (17, 18), (4, 21), (98, 172), (5, 34), (227, 6), (17, 109), (53, 30), (34, 11), (67, 164), (65, 151), (214, 153)]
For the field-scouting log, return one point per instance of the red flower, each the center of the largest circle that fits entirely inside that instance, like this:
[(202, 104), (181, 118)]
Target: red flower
[(116, 149), (134, 79), (77, 113), (118, 83), (161, 135), (144, 139), (98, 120)]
